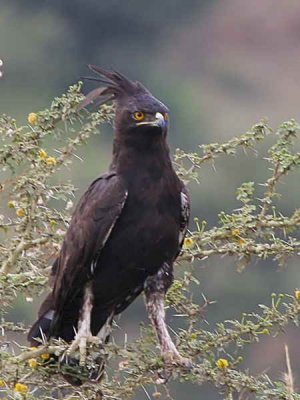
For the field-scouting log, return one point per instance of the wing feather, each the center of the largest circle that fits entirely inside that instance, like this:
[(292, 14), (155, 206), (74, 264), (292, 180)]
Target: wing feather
[(90, 227), (185, 211)]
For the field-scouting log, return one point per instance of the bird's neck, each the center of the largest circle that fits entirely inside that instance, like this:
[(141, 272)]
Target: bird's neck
[(143, 153)]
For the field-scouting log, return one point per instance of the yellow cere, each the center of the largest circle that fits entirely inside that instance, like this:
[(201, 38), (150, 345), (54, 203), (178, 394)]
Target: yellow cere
[(138, 115), (21, 387), (32, 118), (222, 363), (166, 116)]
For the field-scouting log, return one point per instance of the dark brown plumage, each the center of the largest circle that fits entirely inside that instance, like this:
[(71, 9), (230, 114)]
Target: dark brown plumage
[(126, 230)]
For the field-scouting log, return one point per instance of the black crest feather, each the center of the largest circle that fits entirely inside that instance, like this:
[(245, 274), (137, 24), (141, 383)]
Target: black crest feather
[(116, 85)]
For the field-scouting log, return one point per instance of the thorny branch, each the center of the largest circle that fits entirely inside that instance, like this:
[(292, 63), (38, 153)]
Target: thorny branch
[(32, 233)]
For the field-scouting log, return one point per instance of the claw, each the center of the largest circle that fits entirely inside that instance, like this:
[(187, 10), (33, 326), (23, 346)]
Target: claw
[(80, 343), (185, 362), (172, 359)]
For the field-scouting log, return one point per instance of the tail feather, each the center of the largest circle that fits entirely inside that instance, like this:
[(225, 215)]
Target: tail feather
[(52, 323), (41, 328)]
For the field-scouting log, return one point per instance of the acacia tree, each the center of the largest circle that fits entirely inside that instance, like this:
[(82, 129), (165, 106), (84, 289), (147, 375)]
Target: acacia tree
[(33, 228)]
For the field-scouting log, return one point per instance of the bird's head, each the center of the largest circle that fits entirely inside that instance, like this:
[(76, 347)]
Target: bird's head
[(137, 110)]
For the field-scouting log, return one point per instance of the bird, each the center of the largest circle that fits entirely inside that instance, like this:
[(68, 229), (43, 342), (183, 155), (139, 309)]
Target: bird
[(125, 233)]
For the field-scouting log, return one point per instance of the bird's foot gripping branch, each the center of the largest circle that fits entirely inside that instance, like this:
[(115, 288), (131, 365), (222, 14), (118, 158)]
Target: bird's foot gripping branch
[(36, 213)]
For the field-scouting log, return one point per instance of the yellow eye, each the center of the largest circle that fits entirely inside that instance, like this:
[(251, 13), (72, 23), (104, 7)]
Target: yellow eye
[(138, 115), (166, 116)]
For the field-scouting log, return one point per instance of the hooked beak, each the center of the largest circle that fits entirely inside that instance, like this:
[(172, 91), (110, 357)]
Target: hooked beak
[(159, 121)]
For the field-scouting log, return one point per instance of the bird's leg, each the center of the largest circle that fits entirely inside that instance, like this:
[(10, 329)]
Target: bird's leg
[(155, 290), (105, 331), (84, 335)]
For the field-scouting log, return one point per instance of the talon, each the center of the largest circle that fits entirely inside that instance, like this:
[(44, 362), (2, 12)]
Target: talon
[(172, 359), (73, 346), (80, 343), (185, 362), (163, 377)]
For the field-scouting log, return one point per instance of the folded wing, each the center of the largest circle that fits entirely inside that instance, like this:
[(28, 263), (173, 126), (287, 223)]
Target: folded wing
[(93, 220)]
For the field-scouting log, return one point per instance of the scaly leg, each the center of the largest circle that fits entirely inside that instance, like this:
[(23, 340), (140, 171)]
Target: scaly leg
[(84, 335), (155, 290)]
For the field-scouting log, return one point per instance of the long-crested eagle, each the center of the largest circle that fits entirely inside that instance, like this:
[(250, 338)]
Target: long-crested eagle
[(126, 231)]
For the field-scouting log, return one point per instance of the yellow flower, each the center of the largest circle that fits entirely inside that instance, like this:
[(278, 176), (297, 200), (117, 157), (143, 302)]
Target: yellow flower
[(20, 212), (265, 331), (235, 232), (297, 294), (32, 118), (188, 242), (222, 363), (11, 204), (51, 161), (156, 395), (2, 383), (32, 363), (45, 356), (43, 153), (21, 387), (33, 348)]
